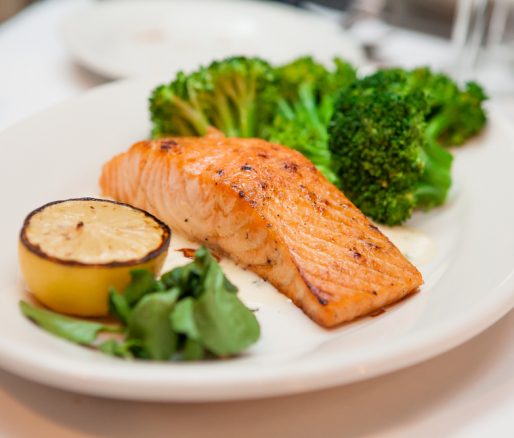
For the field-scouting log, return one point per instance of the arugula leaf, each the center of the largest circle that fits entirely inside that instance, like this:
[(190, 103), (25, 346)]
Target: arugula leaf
[(72, 329), (228, 286), (120, 349), (182, 318), (191, 277), (142, 282), (225, 325), (204, 259), (149, 323), (193, 350), (118, 306), (186, 278)]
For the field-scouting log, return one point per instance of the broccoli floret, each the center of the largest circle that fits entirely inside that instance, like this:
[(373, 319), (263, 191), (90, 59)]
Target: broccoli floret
[(455, 114), (224, 94), (386, 160), (306, 95), (460, 118)]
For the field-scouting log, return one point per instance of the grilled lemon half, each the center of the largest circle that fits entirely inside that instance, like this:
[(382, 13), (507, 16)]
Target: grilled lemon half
[(72, 251)]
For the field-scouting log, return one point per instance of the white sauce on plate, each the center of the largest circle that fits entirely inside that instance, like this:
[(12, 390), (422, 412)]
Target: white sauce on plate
[(418, 247)]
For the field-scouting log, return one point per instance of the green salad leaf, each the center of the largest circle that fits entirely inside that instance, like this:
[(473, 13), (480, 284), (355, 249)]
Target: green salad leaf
[(118, 306), (143, 282), (149, 323), (183, 320), (72, 329), (225, 325), (122, 349), (193, 350)]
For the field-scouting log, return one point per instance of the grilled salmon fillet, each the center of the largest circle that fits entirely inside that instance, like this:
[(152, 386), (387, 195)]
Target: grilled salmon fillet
[(270, 210)]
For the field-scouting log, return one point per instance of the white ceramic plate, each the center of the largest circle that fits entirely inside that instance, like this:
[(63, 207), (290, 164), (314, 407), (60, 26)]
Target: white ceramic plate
[(469, 281), (120, 39)]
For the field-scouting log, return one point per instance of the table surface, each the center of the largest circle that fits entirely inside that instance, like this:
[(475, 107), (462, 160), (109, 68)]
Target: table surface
[(468, 391)]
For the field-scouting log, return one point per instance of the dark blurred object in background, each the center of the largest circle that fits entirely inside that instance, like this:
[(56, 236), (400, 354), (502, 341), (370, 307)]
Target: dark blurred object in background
[(9, 7), (434, 16)]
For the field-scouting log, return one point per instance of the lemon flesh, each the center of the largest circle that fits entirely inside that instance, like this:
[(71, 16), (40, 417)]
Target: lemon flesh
[(72, 251)]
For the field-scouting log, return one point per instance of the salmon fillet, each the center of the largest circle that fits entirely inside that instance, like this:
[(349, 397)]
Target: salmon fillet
[(270, 210)]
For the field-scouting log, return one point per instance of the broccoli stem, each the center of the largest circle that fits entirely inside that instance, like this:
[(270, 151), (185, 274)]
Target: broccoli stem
[(246, 105), (326, 109), (222, 117), (436, 126), (195, 118), (308, 102), (285, 109), (236, 108), (318, 118), (306, 115), (432, 188)]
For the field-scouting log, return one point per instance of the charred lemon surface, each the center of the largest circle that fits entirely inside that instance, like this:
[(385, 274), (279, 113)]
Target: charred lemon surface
[(72, 251)]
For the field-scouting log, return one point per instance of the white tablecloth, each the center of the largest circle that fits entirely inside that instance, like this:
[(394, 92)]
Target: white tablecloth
[(466, 392)]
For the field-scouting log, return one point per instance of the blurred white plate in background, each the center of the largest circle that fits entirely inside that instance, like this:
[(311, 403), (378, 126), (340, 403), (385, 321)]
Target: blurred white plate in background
[(130, 38)]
